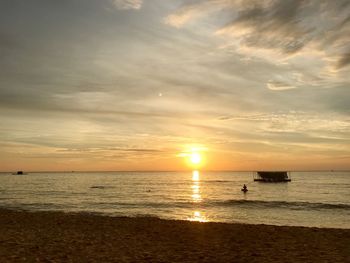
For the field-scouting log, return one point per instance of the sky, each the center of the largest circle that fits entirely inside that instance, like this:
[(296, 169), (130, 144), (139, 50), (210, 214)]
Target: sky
[(142, 84)]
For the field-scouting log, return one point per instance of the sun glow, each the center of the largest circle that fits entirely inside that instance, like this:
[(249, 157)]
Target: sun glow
[(195, 158)]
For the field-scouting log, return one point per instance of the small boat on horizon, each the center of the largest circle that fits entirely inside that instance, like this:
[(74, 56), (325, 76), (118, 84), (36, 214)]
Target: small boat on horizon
[(19, 173)]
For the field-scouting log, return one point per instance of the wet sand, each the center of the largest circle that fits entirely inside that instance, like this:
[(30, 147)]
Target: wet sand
[(68, 237)]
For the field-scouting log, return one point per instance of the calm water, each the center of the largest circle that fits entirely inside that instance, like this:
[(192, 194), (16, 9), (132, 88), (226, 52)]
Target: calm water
[(319, 199)]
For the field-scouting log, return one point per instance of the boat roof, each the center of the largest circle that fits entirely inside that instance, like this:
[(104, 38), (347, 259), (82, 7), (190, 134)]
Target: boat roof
[(273, 174)]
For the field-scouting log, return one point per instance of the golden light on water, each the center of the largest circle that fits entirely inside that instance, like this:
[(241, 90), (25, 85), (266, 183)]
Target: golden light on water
[(195, 176), (198, 217), (196, 194), (196, 198)]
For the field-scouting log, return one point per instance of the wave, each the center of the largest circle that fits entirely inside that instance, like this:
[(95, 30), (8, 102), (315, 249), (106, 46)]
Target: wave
[(254, 204), (283, 204), (206, 203), (101, 187), (216, 181)]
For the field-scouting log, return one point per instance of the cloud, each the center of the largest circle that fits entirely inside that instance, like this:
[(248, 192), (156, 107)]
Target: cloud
[(279, 31), (276, 85), (269, 25), (343, 61), (189, 13), (127, 4), (178, 20)]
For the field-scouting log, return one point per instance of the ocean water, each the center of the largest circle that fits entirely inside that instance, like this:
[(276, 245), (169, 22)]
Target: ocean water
[(317, 199)]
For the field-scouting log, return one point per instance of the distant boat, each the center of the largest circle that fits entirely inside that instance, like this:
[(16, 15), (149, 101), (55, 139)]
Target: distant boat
[(272, 176), (19, 173)]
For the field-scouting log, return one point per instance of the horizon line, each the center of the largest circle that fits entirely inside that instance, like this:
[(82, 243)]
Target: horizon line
[(172, 171)]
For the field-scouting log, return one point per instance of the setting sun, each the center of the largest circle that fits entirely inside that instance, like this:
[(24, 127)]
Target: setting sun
[(195, 158)]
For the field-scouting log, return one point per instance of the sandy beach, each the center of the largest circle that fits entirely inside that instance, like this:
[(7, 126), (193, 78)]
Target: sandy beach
[(65, 237)]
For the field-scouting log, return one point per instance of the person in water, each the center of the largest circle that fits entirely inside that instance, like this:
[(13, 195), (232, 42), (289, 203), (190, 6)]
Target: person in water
[(245, 188)]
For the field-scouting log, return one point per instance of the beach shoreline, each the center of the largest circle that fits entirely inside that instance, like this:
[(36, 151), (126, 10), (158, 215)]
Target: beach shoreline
[(81, 237)]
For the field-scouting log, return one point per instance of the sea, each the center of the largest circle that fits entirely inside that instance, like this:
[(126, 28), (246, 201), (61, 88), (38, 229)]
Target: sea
[(311, 199)]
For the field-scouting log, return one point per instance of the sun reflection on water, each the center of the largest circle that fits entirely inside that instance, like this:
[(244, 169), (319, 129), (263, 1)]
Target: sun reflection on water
[(196, 198), (196, 194), (195, 176), (198, 217)]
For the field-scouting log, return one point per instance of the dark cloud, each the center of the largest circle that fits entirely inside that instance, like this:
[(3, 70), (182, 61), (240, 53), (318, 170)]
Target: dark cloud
[(284, 27), (107, 148), (343, 61), (272, 26)]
